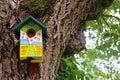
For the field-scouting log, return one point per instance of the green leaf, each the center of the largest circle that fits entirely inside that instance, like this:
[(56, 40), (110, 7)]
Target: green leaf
[(118, 46), (101, 47), (114, 52), (69, 63), (106, 35)]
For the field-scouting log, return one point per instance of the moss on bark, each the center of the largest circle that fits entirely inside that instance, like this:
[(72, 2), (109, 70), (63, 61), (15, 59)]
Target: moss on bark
[(39, 8)]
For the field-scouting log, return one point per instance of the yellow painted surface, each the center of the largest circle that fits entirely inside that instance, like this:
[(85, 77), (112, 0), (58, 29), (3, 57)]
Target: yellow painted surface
[(23, 51), (23, 58), (36, 61), (38, 50)]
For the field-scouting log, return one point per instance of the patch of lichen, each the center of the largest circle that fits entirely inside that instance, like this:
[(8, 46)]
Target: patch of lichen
[(39, 8)]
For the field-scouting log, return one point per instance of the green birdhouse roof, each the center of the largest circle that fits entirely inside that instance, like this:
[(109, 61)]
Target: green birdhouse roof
[(17, 28)]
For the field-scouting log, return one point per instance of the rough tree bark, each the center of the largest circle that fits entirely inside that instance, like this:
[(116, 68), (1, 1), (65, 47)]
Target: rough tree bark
[(65, 29)]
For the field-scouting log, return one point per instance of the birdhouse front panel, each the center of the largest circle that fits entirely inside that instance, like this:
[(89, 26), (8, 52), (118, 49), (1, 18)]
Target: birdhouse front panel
[(31, 42)]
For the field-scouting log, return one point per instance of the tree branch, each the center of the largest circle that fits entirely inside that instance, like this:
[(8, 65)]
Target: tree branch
[(105, 22), (111, 16)]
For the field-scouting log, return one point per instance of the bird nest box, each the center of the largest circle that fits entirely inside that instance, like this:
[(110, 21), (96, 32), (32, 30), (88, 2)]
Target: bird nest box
[(31, 32)]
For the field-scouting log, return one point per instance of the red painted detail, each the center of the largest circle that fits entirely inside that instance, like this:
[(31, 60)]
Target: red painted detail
[(22, 37), (38, 33), (31, 33), (32, 68)]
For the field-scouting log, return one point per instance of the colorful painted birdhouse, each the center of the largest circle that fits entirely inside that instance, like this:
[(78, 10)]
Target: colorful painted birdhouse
[(31, 32)]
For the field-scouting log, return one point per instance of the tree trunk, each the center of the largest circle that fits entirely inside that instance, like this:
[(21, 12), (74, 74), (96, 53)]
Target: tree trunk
[(65, 27)]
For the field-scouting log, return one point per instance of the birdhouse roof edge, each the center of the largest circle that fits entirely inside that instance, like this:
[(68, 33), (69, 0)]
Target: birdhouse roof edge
[(26, 20)]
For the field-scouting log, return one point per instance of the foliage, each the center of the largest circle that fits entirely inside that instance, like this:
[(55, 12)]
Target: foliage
[(69, 70), (101, 61)]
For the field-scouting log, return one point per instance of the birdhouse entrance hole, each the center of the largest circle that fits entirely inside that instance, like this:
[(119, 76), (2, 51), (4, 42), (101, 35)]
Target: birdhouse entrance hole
[(31, 33)]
